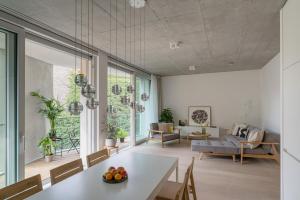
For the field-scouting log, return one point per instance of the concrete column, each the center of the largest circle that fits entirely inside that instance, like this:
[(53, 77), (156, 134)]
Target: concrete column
[(101, 85)]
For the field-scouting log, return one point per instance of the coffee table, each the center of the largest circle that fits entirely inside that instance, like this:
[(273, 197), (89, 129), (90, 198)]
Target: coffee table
[(193, 136)]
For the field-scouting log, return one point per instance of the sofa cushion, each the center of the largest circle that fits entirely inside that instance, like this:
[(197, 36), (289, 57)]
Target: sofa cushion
[(237, 127), (255, 136), (243, 132), (154, 126), (258, 150), (234, 139), (171, 136), (166, 127), (214, 146)]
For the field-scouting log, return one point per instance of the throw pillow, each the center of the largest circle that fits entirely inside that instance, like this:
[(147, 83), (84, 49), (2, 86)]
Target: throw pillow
[(255, 136), (243, 132), (237, 127)]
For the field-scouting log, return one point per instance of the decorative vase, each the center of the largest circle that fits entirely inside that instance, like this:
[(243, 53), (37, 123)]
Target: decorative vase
[(49, 158), (122, 140), (110, 142)]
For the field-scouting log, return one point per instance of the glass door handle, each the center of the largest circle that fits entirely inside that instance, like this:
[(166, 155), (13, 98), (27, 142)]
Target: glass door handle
[(2, 124)]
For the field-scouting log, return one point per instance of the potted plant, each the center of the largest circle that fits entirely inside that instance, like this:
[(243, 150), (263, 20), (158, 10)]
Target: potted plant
[(121, 134), (47, 145), (166, 116), (51, 109), (111, 139)]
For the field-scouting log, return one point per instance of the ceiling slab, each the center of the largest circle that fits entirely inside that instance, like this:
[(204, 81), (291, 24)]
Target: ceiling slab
[(215, 35)]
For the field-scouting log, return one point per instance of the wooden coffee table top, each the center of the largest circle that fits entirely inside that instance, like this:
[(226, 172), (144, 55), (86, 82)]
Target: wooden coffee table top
[(197, 136)]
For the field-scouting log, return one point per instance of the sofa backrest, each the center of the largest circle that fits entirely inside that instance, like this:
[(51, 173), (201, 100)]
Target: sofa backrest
[(271, 137)]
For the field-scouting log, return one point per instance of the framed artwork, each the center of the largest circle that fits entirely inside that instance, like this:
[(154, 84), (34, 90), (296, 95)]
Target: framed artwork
[(199, 116)]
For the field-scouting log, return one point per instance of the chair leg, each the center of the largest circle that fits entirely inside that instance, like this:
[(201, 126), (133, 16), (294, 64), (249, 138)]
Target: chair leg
[(201, 155), (233, 158), (193, 187)]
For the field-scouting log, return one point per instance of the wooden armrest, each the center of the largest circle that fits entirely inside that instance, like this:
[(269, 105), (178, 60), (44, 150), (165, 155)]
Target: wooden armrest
[(156, 131), (267, 143)]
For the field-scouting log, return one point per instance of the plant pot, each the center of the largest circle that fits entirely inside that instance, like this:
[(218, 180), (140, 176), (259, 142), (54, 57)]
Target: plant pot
[(122, 140), (49, 158), (110, 142)]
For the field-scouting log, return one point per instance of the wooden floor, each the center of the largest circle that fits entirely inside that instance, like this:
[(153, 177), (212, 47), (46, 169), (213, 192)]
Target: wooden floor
[(42, 167), (218, 178)]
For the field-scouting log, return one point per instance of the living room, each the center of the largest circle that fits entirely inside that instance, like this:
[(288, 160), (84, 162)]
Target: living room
[(149, 99)]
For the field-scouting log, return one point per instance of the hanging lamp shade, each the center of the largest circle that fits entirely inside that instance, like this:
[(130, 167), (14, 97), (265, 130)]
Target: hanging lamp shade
[(116, 89), (144, 97), (88, 91), (81, 80), (130, 89), (75, 108), (140, 108), (111, 109), (125, 100), (133, 104), (92, 103)]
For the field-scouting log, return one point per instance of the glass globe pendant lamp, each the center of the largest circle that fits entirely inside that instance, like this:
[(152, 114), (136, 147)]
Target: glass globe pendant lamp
[(75, 108), (81, 80), (130, 89), (88, 91), (116, 89), (140, 108), (125, 100), (144, 97), (92, 103)]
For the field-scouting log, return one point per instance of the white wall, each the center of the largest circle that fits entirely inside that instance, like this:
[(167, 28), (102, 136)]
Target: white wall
[(233, 96), (270, 95), (39, 77), (290, 73)]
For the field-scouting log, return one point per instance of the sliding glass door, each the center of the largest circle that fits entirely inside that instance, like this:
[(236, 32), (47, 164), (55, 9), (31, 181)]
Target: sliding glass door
[(142, 119), (8, 108)]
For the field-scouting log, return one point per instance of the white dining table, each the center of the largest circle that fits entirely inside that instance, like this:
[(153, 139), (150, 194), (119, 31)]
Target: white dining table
[(146, 176)]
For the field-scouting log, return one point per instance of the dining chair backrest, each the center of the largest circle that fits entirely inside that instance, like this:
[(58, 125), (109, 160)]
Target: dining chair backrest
[(64, 171), (22, 189), (184, 189), (97, 157)]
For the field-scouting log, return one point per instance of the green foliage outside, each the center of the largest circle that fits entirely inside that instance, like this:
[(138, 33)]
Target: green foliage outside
[(67, 124), (122, 118)]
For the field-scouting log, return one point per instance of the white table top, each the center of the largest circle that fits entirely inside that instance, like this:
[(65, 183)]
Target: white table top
[(146, 175)]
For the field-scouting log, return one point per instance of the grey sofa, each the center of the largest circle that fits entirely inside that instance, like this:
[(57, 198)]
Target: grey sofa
[(231, 145)]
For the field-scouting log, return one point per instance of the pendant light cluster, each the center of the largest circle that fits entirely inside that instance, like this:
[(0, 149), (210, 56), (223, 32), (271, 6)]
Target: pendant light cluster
[(87, 89), (129, 89)]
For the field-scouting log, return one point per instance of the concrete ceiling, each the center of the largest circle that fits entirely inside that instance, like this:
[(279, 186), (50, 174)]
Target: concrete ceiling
[(216, 35)]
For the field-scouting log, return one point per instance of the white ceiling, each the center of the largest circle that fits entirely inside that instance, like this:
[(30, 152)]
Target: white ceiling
[(216, 35)]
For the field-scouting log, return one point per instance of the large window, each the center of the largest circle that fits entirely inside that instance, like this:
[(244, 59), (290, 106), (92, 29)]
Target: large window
[(51, 72), (120, 118), (142, 118), (8, 108)]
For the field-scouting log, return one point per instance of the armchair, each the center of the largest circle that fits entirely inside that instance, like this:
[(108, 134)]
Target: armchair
[(163, 132)]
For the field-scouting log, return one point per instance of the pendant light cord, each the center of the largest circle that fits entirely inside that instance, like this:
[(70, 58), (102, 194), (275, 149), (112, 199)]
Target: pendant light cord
[(75, 47)]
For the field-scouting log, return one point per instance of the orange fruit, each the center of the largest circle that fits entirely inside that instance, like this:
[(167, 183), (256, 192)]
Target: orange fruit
[(108, 176), (120, 169), (118, 177)]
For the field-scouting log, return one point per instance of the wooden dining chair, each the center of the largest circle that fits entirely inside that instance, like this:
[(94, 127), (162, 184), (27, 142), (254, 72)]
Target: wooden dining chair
[(176, 191), (97, 157), (22, 189), (65, 171)]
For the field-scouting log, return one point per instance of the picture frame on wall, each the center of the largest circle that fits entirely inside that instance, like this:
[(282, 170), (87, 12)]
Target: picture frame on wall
[(199, 115)]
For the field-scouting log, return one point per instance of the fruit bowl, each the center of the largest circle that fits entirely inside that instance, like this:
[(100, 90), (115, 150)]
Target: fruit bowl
[(115, 175)]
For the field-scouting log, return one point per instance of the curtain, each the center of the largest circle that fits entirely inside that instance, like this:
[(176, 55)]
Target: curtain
[(153, 115)]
